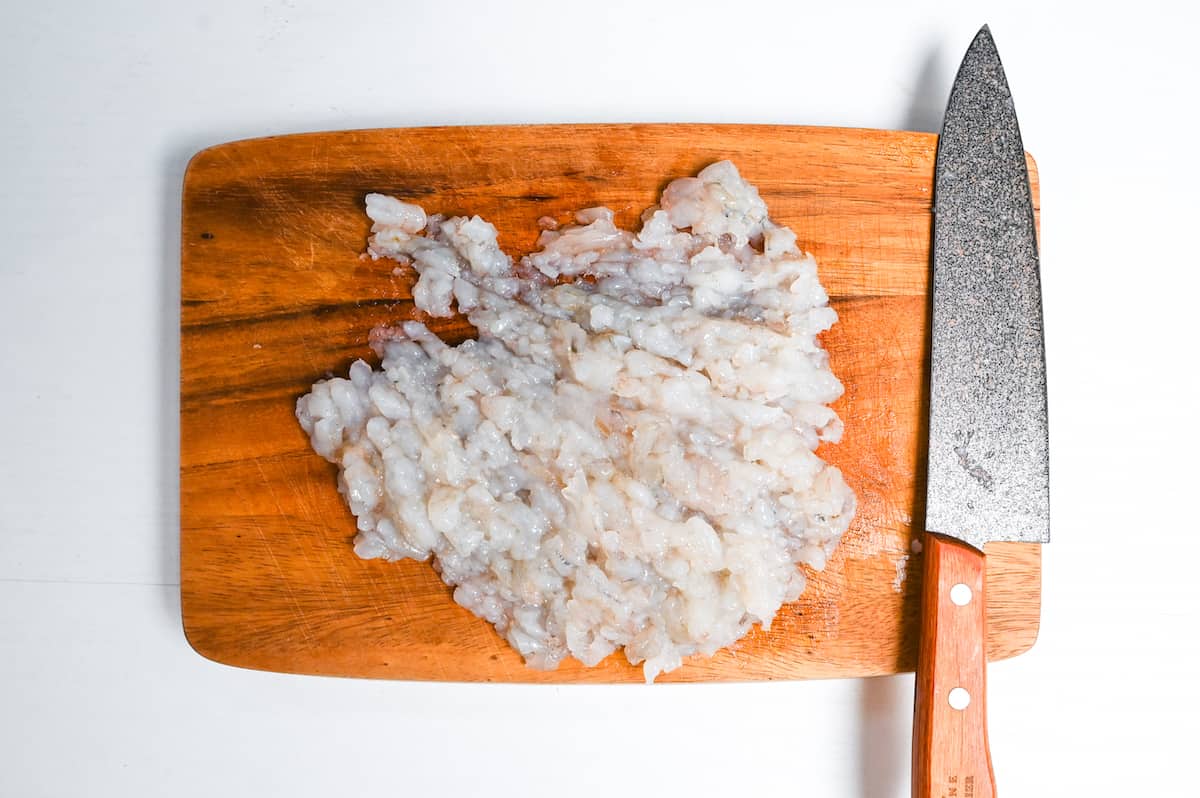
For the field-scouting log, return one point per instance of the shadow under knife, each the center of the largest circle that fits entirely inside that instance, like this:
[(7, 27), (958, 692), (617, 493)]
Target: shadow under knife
[(886, 703), (931, 90)]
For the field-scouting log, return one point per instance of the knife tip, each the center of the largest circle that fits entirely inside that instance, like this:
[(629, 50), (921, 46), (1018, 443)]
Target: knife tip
[(983, 46)]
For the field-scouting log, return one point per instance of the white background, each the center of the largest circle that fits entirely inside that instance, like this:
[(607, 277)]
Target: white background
[(102, 104)]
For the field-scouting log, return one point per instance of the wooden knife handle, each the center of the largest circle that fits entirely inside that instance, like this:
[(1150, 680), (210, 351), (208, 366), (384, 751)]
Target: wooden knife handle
[(950, 746)]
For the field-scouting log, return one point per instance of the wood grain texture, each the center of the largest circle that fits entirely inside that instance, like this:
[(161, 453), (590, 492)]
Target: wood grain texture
[(275, 295), (950, 745)]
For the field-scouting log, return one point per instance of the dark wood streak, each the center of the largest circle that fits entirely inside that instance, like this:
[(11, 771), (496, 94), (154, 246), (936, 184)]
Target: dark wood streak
[(399, 306)]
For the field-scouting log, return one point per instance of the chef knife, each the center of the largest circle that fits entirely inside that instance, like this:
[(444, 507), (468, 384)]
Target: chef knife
[(988, 472)]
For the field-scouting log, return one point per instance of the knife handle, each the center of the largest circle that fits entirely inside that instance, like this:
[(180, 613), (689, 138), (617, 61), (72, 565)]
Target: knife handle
[(950, 744)]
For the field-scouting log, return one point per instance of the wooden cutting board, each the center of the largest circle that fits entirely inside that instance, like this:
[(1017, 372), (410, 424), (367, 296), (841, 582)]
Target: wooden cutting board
[(275, 296)]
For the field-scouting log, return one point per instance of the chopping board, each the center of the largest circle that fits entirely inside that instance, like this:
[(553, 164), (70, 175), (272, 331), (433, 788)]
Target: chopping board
[(276, 295)]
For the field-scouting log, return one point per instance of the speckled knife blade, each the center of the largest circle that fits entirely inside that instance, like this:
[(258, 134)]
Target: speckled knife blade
[(988, 445)]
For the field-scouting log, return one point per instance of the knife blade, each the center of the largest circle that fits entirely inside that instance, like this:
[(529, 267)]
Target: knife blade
[(988, 467)]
